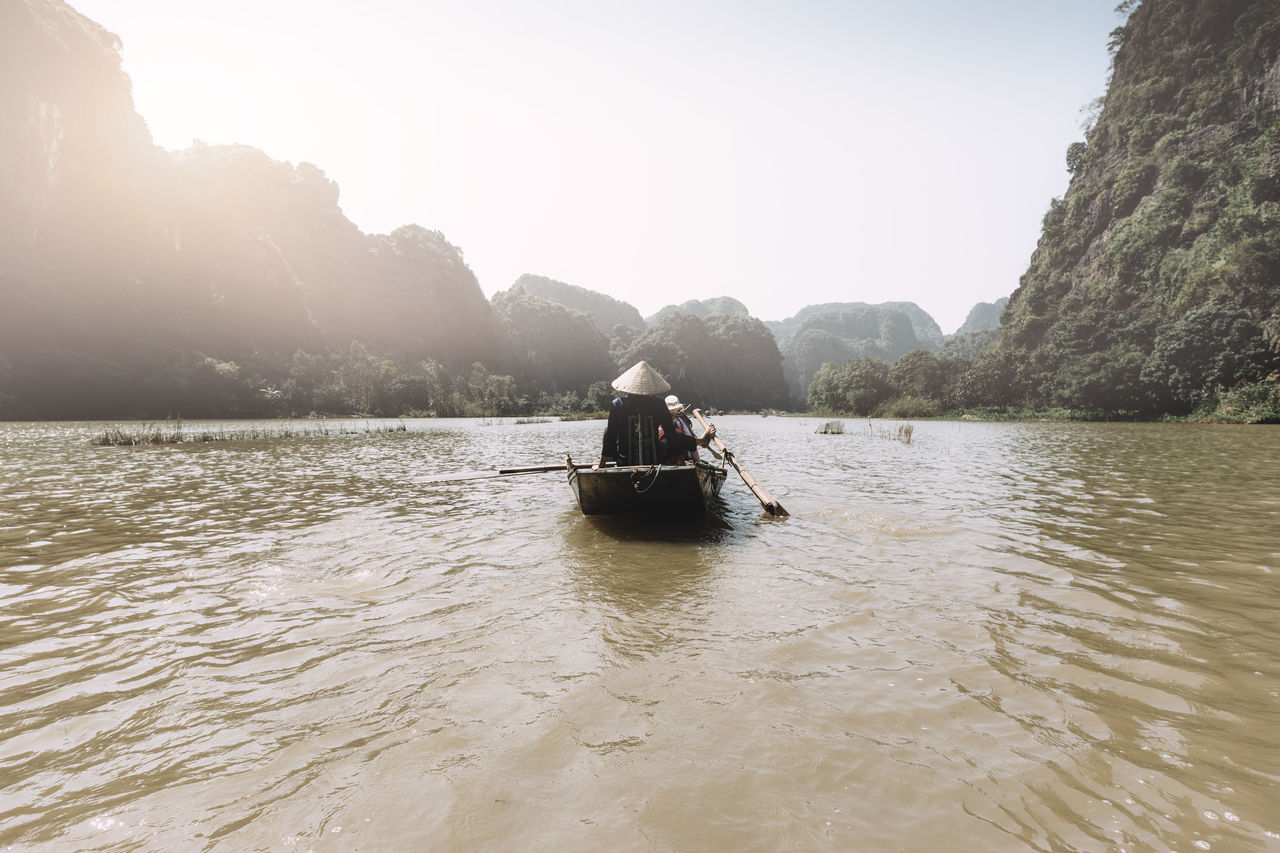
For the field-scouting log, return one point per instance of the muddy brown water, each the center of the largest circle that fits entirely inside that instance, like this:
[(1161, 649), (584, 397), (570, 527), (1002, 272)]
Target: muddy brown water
[(1041, 637)]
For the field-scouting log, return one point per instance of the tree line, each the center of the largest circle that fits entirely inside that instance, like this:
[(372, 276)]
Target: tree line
[(1214, 363), (550, 360)]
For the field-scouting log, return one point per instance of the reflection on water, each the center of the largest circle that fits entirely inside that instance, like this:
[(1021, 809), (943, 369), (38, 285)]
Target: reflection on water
[(1026, 636), (1161, 645), (648, 598)]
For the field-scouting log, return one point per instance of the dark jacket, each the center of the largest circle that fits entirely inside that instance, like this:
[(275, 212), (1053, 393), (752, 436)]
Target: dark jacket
[(684, 425), (625, 437)]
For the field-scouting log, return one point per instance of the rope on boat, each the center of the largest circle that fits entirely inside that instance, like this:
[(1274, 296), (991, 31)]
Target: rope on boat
[(637, 476)]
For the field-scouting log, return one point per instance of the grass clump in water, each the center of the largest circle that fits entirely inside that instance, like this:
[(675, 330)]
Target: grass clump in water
[(149, 434), (900, 432), (117, 437)]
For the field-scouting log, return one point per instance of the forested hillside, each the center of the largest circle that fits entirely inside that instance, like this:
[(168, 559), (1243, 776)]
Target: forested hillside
[(725, 306), (834, 332), (727, 362), (216, 281), (924, 328), (983, 317), (1157, 277), (721, 358), (605, 311), (818, 335), (212, 281), (1155, 286)]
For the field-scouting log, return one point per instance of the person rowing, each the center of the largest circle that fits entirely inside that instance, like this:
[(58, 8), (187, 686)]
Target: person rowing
[(638, 416), (683, 424)]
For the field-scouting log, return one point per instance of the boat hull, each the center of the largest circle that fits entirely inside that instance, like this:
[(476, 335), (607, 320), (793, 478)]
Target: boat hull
[(646, 490)]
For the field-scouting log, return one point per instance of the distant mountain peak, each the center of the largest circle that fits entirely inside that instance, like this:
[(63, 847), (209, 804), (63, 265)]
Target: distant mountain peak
[(605, 311), (703, 308), (983, 316)]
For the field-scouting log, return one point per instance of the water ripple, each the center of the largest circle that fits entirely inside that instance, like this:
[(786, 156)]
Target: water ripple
[(1029, 636)]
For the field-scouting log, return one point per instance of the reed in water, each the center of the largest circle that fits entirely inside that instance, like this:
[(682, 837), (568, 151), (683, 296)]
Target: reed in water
[(901, 432), (176, 434)]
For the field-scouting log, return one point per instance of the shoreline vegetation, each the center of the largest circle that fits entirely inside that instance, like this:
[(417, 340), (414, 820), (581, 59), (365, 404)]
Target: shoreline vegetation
[(1058, 415), (165, 433), (152, 434), (173, 432), (1245, 403)]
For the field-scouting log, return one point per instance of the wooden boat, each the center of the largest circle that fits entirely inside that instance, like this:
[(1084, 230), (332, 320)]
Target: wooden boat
[(645, 489)]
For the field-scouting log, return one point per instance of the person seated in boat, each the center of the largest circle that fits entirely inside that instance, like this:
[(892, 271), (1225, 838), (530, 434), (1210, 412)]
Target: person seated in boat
[(683, 424), (637, 415)]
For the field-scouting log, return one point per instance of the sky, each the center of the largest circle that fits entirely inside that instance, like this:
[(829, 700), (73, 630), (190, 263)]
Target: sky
[(783, 152)]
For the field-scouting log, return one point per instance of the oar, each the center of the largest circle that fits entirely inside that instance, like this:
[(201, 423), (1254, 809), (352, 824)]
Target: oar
[(500, 472), (768, 501)]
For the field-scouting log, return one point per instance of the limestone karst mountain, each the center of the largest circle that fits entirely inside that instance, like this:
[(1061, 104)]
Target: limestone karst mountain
[(833, 333), (725, 306), (1157, 275), (605, 311), (983, 317), (127, 270)]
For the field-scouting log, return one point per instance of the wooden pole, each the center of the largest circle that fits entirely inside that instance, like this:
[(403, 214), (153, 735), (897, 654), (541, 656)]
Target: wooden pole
[(500, 472), (768, 501)]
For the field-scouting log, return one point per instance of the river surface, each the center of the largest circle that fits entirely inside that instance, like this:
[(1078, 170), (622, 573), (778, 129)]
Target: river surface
[(995, 637)]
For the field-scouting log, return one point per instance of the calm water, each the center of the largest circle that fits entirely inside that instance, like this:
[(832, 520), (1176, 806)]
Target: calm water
[(1049, 637)]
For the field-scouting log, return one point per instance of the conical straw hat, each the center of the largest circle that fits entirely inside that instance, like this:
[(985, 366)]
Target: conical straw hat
[(642, 379)]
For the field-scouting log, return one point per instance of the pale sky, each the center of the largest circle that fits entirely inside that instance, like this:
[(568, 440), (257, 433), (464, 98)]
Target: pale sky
[(784, 152)]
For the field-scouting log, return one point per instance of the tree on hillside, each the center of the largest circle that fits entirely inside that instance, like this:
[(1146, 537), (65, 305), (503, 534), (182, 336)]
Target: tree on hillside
[(920, 373), (1213, 347), (703, 309), (621, 337), (726, 362), (855, 387), (837, 333), (679, 347), (749, 365), (807, 353), (552, 348), (990, 381), (967, 345), (605, 311)]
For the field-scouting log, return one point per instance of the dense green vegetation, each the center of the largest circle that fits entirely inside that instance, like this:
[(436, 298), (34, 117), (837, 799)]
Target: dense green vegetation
[(550, 347), (922, 384), (726, 362), (1155, 287), (1156, 282), (832, 333), (703, 308), (982, 317)]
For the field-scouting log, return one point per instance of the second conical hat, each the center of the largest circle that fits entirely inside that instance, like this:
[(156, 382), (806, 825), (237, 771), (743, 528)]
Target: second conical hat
[(642, 379)]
